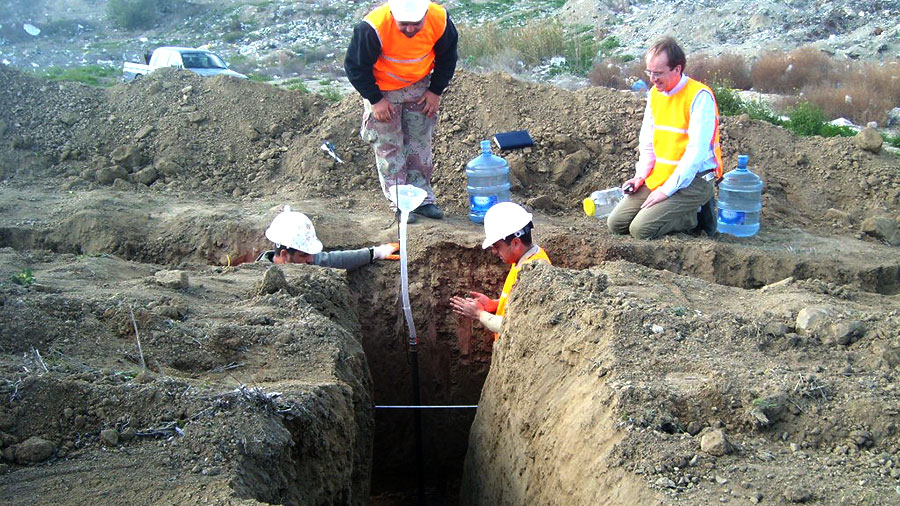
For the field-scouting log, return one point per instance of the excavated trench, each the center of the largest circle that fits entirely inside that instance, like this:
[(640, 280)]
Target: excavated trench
[(454, 356), (453, 359)]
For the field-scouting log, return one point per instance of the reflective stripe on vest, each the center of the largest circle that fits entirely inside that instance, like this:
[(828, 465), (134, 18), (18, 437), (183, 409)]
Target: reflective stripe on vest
[(405, 60), (513, 276), (671, 118)]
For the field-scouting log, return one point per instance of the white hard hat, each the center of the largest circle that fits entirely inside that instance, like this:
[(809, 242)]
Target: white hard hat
[(408, 11), (294, 230), (502, 220)]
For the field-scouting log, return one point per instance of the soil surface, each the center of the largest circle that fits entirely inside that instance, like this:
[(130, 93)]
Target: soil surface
[(147, 357)]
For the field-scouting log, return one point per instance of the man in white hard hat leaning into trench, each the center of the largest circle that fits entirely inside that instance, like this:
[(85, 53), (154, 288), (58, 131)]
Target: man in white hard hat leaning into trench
[(296, 243), (507, 231)]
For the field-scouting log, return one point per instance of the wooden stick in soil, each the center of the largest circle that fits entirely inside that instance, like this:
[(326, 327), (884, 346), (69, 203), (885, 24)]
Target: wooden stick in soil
[(138, 339)]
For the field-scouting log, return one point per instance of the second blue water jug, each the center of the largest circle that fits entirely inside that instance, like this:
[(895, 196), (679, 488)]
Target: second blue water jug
[(487, 182), (740, 201)]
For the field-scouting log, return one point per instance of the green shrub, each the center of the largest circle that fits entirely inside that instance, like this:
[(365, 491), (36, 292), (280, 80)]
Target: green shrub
[(532, 44), (829, 130), (730, 104), (93, 75), (759, 110), (580, 50), (296, 84), (891, 140), (135, 14), (609, 45), (259, 78), (806, 119), (232, 37), (331, 94), (24, 278)]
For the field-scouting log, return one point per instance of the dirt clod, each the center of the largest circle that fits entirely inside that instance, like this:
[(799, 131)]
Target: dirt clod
[(109, 437), (34, 450), (716, 443), (869, 139), (172, 279)]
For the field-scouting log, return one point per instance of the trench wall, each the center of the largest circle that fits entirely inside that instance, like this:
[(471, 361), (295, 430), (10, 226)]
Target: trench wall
[(546, 427)]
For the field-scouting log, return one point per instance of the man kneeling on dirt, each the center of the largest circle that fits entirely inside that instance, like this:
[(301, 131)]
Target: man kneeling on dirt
[(296, 243), (507, 231), (680, 157)]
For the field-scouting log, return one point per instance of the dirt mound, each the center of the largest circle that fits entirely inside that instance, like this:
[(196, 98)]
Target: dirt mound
[(175, 131), (170, 130), (237, 399)]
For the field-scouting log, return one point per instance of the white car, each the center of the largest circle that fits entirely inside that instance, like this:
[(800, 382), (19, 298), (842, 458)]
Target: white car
[(200, 61)]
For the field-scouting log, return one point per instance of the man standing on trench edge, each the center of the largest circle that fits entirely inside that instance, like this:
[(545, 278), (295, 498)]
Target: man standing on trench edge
[(507, 231), (680, 157), (401, 58)]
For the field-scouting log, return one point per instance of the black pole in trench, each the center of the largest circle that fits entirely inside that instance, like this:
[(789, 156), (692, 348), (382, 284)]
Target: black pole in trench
[(417, 419)]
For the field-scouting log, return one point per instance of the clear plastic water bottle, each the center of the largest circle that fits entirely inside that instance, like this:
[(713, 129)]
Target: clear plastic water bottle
[(602, 202), (740, 201), (487, 177)]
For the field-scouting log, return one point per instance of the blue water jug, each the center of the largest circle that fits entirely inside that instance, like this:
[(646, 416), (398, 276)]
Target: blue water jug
[(740, 201), (487, 177)]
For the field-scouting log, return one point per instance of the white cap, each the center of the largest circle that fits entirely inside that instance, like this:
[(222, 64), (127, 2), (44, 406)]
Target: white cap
[(294, 230), (502, 220), (408, 11)]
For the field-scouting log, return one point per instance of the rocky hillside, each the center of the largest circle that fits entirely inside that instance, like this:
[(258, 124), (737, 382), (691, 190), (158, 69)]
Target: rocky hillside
[(285, 37), (845, 28)]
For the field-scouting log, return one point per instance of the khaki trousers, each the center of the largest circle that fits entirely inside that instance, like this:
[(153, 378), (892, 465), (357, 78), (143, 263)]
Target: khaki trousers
[(678, 213)]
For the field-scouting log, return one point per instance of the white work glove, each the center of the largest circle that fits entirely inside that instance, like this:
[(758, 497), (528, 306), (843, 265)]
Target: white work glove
[(385, 251)]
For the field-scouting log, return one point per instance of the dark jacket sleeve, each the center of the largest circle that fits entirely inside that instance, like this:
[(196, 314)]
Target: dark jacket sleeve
[(349, 259), (361, 56), (444, 58)]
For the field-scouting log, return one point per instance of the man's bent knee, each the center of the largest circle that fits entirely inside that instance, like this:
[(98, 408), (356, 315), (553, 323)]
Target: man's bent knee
[(617, 224), (640, 230)]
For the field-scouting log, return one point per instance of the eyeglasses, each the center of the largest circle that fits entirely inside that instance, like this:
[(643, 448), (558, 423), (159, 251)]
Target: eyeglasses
[(654, 75)]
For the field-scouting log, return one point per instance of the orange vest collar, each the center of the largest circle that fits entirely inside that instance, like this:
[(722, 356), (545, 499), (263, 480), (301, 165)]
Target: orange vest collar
[(404, 60)]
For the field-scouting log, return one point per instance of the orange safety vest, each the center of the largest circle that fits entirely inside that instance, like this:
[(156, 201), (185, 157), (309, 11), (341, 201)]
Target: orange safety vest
[(671, 117), (513, 276), (403, 60)]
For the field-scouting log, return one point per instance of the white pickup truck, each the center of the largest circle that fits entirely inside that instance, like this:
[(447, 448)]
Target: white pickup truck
[(200, 61)]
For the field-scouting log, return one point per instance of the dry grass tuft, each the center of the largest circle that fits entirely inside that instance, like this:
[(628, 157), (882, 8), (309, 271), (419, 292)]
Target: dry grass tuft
[(768, 71), (859, 92), (608, 74), (778, 72), (729, 70), (531, 44), (613, 73)]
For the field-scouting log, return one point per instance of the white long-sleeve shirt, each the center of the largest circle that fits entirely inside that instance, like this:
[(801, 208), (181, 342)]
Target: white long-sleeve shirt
[(698, 156)]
